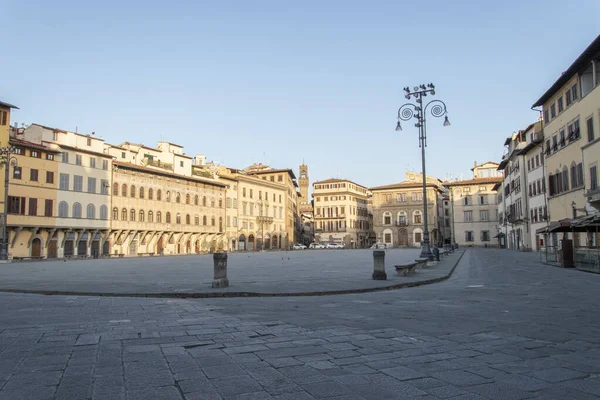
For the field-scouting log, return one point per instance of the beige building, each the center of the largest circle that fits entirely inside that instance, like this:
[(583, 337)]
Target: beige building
[(571, 109), (32, 195), (473, 207), (341, 213), (83, 198), (398, 218), (5, 114)]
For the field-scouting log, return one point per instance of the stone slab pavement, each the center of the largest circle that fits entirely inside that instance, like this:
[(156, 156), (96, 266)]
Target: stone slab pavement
[(306, 272), (502, 327)]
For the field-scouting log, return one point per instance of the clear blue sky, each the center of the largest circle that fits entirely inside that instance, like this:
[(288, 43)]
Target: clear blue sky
[(279, 81)]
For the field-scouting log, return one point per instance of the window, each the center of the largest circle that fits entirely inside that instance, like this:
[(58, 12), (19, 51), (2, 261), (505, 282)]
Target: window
[(104, 186), (251, 194), (103, 212), (485, 236), (115, 214), (196, 200), (35, 154), (235, 222), (420, 196), (188, 219), (387, 219), (76, 210), (560, 104), (32, 206), (468, 216), (150, 216), (3, 117), (104, 164), (178, 218), (168, 217), (483, 215), (18, 151), (122, 154), (92, 162), (91, 211), (417, 217), (63, 209), (159, 217), (133, 191), (467, 201), (212, 221), (89, 141), (65, 157), (568, 98), (220, 203), (565, 179), (553, 111), (124, 214), (481, 200), (49, 177), (181, 163), (150, 194), (562, 141), (546, 119), (17, 172), (590, 129), (78, 183), (574, 92), (158, 195), (204, 220), (593, 177), (178, 198), (187, 198), (469, 236), (77, 159), (141, 215), (197, 220), (91, 185), (141, 193), (124, 190), (48, 207), (33, 175), (204, 201), (132, 215), (243, 192)]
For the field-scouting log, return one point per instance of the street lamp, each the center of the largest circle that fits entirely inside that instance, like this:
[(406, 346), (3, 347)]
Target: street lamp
[(418, 112), (6, 160), (575, 209)]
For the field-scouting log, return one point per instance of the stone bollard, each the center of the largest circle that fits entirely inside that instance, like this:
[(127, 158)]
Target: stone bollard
[(436, 254), (220, 275), (379, 265)]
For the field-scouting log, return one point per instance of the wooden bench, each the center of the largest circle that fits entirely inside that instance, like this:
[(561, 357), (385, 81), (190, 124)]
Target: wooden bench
[(28, 258), (145, 254), (406, 269)]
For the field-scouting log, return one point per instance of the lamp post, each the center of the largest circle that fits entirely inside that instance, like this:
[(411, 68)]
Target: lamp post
[(419, 112), (575, 209), (6, 160)]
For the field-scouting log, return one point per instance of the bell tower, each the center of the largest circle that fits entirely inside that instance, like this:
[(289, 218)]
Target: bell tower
[(305, 206)]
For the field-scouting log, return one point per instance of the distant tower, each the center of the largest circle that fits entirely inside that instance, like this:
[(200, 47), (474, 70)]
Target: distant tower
[(303, 182)]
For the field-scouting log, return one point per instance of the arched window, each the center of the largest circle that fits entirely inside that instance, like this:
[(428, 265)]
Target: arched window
[(196, 200), (178, 218), (220, 203), (212, 202), (115, 189), (187, 198), (76, 210), (168, 218), (203, 201), (63, 209), (150, 216), (220, 224), (204, 220), (91, 211), (417, 216), (168, 196), (565, 178), (159, 217), (150, 194), (178, 198), (141, 193), (132, 190), (387, 218), (124, 190), (402, 219), (196, 220), (124, 214), (141, 215), (212, 221), (132, 215), (187, 219), (103, 212), (115, 214)]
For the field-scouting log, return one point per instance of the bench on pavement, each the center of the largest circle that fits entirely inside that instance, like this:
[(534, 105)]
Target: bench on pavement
[(422, 262), (145, 254), (113, 255), (28, 258), (406, 269), (77, 257)]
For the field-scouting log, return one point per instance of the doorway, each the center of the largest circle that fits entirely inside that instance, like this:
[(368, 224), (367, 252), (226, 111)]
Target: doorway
[(36, 248), (402, 238)]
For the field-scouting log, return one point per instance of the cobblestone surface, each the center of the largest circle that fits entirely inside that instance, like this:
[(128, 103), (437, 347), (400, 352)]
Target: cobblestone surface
[(502, 327)]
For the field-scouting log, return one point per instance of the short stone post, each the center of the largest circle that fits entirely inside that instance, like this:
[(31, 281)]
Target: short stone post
[(379, 265), (436, 254), (220, 275)]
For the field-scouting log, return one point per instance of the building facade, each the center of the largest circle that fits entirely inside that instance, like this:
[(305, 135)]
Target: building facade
[(571, 135), (473, 208), (341, 213), (398, 219), (5, 128)]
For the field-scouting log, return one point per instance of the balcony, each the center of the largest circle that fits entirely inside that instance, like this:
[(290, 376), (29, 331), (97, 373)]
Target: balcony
[(330, 230), (593, 196), (264, 220), (401, 223)]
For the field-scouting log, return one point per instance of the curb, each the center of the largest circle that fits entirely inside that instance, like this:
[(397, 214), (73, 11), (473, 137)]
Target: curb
[(207, 295)]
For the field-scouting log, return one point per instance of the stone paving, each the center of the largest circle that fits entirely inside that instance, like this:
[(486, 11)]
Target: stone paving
[(502, 327), (293, 272)]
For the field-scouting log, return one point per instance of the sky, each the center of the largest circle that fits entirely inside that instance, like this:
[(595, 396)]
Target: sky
[(282, 82)]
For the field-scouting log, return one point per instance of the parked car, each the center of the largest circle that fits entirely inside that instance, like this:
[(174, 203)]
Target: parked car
[(335, 246), (299, 246), (380, 246), (316, 246)]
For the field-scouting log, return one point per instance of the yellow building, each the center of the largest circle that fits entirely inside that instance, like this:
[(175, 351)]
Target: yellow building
[(32, 204), (571, 109), (398, 219), (5, 110), (341, 214)]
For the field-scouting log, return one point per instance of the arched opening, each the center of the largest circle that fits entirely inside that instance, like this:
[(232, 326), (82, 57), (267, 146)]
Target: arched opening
[(242, 243), (36, 248), (267, 242), (402, 237), (188, 247), (275, 242), (82, 245), (251, 243)]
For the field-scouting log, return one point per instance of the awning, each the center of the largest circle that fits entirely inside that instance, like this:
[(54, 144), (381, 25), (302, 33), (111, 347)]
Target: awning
[(586, 223)]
